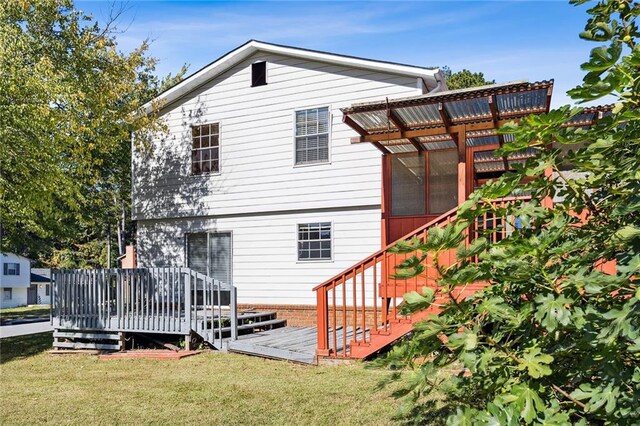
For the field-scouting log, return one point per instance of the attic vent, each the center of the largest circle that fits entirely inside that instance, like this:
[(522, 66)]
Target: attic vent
[(258, 74)]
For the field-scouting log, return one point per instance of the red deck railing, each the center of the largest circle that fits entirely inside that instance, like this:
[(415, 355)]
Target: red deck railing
[(358, 310)]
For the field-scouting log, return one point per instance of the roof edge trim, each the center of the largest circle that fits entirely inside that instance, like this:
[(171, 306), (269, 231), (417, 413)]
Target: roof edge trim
[(242, 52)]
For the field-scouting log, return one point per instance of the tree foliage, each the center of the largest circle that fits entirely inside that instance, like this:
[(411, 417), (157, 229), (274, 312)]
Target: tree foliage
[(68, 104), (463, 79), (552, 340)]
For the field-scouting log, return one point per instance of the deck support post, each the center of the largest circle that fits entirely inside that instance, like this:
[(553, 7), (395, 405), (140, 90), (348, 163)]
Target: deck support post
[(187, 342), (322, 312), (123, 341)]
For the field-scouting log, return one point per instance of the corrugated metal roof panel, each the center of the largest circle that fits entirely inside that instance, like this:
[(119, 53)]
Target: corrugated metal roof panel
[(432, 146), (400, 145), (531, 100), (492, 166), (483, 140), (419, 115), (584, 118), (468, 108), (436, 138), (373, 120)]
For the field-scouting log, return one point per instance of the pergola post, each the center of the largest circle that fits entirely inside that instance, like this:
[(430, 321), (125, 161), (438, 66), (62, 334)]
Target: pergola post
[(461, 142)]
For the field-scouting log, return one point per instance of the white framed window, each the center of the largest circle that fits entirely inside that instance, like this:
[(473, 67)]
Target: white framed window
[(314, 241), (7, 293), (312, 136), (205, 149), (11, 269)]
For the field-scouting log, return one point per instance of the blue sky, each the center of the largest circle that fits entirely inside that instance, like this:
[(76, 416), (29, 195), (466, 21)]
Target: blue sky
[(506, 40)]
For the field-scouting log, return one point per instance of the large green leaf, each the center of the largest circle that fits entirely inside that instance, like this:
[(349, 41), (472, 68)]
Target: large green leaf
[(535, 362)]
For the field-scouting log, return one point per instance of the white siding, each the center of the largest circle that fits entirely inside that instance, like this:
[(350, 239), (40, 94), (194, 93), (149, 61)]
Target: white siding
[(18, 298), (257, 172), (43, 299), (265, 264), (259, 194)]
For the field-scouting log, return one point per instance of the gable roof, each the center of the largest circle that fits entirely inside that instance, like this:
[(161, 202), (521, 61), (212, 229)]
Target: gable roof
[(430, 76), (40, 275), (12, 256)]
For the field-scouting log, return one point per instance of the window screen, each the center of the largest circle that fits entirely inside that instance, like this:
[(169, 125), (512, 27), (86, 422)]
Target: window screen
[(312, 136), (443, 181), (314, 241), (205, 151), (258, 74), (407, 185)]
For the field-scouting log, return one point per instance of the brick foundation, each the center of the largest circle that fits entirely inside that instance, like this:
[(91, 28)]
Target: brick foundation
[(296, 315), (305, 315)]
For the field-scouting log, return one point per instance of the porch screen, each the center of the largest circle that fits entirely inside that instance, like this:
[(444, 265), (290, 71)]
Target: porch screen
[(407, 185), (443, 181), (210, 254)]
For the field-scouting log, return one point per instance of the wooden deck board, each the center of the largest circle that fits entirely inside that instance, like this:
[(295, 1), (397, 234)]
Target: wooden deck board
[(297, 344)]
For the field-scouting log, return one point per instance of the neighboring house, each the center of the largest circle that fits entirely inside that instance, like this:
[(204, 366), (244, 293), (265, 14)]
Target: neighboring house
[(257, 182), (40, 286), (15, 275)]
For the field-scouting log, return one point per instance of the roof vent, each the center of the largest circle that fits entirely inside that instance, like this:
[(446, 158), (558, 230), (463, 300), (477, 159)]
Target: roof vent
[(258, 74)]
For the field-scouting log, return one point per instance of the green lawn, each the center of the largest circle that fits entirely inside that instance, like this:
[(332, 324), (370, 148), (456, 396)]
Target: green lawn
[(210, 388), (24, 312)]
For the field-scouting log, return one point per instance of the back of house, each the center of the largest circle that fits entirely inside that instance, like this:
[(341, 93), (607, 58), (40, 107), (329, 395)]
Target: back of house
[(257, 183)]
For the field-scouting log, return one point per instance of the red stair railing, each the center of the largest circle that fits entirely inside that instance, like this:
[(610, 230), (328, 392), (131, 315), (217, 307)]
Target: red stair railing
[(357, 310)]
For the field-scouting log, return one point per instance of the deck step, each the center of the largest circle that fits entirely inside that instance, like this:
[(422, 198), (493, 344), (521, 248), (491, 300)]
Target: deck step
[(270, 324), (66, 339), (247, 323)]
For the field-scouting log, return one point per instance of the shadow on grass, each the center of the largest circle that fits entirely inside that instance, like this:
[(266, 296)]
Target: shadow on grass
[(20, 347)]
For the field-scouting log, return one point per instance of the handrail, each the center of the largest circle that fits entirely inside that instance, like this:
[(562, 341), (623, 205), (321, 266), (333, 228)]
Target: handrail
[(410, 235), (157, 300), (357, 309)]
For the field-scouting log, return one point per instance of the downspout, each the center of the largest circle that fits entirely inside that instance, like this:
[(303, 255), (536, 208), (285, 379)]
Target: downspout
[(440, 86)]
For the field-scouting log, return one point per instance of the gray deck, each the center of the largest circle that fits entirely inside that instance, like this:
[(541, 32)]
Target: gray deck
[(297, 344)]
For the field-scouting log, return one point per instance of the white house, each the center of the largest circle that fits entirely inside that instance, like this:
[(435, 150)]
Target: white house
[(40, 286), (257, 182), (15, 279)]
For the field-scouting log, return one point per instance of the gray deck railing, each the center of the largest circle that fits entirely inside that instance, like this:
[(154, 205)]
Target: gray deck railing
[(153, 300)]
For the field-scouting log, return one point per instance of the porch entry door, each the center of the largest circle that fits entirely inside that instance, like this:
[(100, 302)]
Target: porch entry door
[(419, 187), (210, 253)]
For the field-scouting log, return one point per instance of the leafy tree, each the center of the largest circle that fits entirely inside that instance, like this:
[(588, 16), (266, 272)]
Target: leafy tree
[(68, 107), (463, 79), (553, 339)]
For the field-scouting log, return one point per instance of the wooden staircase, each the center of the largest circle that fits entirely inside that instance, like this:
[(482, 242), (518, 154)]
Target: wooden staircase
[(364, 297)]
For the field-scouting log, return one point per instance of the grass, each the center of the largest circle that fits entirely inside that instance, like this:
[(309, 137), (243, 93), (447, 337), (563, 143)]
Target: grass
[(210, 388), (33, 311)]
